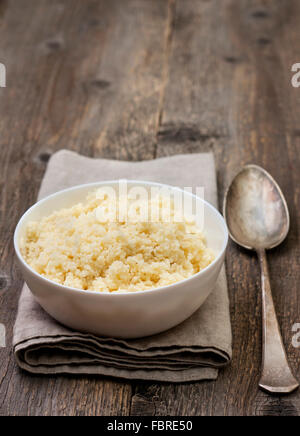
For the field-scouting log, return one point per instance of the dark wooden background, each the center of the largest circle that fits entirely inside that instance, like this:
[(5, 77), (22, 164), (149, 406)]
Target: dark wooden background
[(140, 79)]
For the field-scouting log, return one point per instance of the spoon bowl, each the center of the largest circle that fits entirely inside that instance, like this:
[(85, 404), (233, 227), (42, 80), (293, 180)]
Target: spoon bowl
[(255, 210), (257, 218)]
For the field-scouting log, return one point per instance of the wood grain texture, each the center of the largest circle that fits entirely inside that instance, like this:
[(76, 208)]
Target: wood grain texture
[(229, 91), (138, 79), (82, 75)]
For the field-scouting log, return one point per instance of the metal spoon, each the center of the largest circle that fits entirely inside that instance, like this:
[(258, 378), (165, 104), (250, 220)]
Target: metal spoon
[(258, 219)]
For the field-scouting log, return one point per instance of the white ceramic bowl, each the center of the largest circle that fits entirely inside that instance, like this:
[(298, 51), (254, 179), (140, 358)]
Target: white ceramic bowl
[(130, 314)]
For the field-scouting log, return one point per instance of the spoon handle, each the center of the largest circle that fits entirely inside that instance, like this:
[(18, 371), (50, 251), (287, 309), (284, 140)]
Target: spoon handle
[(276, 374)]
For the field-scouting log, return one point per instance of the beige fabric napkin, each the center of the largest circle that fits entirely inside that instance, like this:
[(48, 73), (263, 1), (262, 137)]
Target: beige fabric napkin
[(194, 350)]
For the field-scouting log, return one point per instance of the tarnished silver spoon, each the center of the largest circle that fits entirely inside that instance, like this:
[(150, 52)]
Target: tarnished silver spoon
[(258, 219)]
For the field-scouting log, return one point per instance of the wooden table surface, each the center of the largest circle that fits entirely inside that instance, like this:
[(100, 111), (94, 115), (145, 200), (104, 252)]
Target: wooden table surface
[(140, 79)]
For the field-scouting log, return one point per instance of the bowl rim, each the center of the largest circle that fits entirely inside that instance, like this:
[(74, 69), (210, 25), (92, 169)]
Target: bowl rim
[(120, 293)]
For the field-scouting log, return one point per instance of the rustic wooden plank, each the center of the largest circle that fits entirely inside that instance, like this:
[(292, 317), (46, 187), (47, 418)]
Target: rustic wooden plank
[(229, 91), (87, 76)]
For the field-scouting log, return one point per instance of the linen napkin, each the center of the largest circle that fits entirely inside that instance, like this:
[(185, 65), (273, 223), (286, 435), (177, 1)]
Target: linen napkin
[(194, 350)]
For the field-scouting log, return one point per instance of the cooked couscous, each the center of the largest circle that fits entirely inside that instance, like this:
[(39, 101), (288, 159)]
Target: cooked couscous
[(75, 248)]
